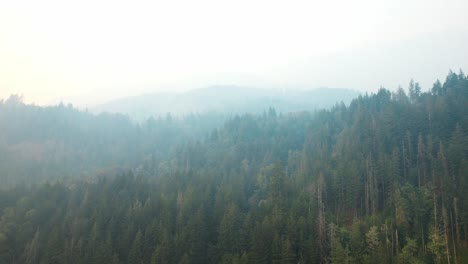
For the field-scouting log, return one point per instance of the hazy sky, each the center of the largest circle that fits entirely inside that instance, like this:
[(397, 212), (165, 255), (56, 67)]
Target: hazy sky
[(96, 50)]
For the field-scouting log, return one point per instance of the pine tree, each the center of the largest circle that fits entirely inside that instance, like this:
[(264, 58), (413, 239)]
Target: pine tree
[(135, 253)]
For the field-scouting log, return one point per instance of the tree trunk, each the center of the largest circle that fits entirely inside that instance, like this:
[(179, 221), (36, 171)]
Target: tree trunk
[(457, 229), (445, 219), (422, 239), (396, 241), (453, 239), (321, 219)]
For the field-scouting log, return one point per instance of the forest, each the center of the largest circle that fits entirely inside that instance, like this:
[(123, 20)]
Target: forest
[(383, 179)]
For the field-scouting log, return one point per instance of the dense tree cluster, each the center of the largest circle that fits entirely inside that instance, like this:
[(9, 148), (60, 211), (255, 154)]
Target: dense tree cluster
[(383, 180), (40, 143)]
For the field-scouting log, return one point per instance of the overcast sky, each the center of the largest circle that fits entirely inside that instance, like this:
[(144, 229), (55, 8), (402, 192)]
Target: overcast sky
[(94, 51)]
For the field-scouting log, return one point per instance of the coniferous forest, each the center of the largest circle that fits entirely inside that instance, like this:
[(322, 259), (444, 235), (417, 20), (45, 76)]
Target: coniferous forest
[(381, 180)]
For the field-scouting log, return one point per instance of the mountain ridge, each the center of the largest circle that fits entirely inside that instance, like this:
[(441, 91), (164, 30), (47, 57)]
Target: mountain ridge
[(225, 99)]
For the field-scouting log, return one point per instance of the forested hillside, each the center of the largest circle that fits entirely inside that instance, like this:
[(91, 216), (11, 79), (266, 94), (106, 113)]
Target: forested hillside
[(39, 143), (381, 180)]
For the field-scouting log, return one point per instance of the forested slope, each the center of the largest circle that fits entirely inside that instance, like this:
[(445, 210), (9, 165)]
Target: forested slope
[(40, 143), (383, 180)]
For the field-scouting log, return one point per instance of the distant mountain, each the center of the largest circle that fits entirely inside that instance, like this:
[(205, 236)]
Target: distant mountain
[(226, 99)]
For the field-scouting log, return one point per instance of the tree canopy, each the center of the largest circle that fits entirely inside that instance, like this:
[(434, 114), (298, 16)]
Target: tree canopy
[(381, 180)]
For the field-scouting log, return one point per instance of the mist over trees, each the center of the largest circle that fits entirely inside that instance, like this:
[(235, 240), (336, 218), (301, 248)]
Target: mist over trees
[(38, 143), (381, 180), (227, 100)]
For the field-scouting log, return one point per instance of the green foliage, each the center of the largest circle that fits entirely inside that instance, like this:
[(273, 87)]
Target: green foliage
[(382, 180), (437, 245), (409, 253)]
